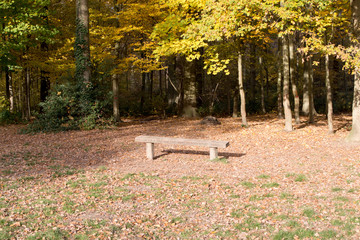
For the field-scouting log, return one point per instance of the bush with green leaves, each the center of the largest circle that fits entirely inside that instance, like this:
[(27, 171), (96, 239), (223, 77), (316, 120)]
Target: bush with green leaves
[(66, 108)]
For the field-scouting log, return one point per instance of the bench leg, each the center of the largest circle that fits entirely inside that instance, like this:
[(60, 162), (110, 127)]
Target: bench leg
[(150, 151), (213, 153)]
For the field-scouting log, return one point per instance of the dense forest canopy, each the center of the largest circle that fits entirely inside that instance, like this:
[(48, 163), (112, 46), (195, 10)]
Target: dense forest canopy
[(74, 63)]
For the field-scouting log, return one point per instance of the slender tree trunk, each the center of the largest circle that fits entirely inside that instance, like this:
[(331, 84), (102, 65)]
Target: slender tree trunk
[(328, 95), (279, 82), (151, 85), (82, 45), (242, 92), (44, 78), (116, 96), (27, 107), (190, 109), (236, 105), (306, 99), (115, 76), (286, 95), (142, 95), (311, 95), (279, 95), (9, 89), (355, 131), (293, 80), (262, 85), (252, 76)]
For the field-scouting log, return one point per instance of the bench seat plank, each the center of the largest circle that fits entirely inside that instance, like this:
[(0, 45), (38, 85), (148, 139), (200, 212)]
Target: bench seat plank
[(182, 141)]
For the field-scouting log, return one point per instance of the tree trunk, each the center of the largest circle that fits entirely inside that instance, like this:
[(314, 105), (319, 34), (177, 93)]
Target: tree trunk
[(190, 109), (279, 83), (311, 95), (242, 92), (236, 105), (355, 131), (142, 95), (306, 99), (27, 107), (279, 95), (328, 95), (262, 85), (286, 95), (293, 81), (116, 96), (82, 46), (9, 89)]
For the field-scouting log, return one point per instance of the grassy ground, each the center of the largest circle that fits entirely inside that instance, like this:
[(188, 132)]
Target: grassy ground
[(54, 199)]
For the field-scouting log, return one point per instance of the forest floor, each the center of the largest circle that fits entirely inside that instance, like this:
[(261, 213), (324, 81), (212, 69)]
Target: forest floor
[(98, 184)]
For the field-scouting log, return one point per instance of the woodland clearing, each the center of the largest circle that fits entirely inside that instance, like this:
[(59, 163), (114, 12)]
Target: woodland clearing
[(98, 184)]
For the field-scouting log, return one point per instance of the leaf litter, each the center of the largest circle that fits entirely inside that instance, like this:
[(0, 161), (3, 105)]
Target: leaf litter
[(99, 185)]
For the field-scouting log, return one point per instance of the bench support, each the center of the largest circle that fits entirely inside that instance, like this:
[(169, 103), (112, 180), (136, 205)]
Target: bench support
[(150, 150), (213, 153)]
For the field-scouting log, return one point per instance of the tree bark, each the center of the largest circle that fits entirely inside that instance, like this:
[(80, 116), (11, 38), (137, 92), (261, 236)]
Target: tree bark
[(262, 85), (311, 93), (328, 95), (9, 89), (306, 99), (236, 105), (27, 107), (242, 92), (44, 79), (293, 80), (355, 131), (286, 95), (116, 95), (279, 83), (190, 109), (82, 45)]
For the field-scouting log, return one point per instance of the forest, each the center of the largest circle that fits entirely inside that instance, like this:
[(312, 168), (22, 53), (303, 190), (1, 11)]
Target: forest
[(85, 84), (77, 64)]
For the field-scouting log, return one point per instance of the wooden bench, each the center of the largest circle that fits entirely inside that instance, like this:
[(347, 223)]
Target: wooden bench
[(150, 140)]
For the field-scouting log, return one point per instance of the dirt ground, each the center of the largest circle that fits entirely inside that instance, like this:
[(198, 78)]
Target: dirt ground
[(261, 148)]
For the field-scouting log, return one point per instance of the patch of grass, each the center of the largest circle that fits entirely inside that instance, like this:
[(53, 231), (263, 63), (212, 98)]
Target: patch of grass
[(69, 206), (285, 195), (248, 224), (28, 178), (328, 234), (234, 196), (237, 213), (177, 220), (309, 212), (193, 178), (290, 175), (352, 190), (102, 168), (50, 234), (337, 189), (270, 185), (341, 198), (337, 222), (7, 172), (255, 198), (128, 197), (248, 184), (128, 176), (263, 176), (220, 160), (96, 224), (299, 233), (300, 178), (293, 224)]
